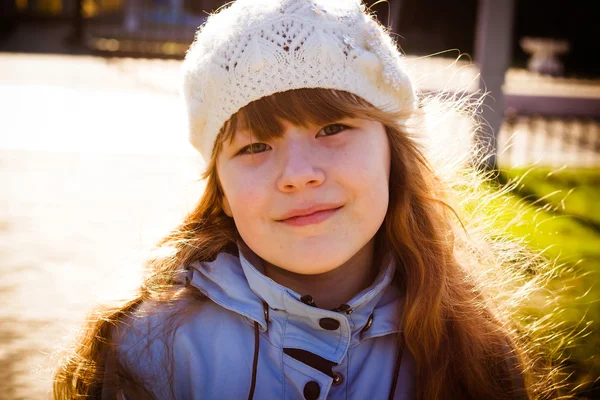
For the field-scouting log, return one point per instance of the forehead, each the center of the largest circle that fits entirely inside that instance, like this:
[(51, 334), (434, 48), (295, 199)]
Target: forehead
[(264, 119), (277, 129)]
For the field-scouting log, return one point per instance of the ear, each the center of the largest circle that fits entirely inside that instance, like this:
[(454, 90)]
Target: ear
[(226, 207)]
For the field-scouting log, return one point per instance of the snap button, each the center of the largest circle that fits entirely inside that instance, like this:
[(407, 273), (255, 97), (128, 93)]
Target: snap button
[(337, 379), (266, 311), (312, 390), (308, 300), (368, 325), (329, 324)]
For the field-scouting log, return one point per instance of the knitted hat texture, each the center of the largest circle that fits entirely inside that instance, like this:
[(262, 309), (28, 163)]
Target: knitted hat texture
[(256, 48)]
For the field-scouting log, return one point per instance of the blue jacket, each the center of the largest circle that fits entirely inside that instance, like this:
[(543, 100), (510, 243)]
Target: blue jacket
[(256, 338)]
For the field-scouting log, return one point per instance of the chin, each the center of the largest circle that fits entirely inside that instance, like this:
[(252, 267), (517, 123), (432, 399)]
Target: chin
[(313, 264), (313, 270)]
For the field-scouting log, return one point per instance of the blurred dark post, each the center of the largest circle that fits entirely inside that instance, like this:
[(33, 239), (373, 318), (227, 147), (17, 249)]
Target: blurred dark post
[(202, 7), (76, 36), (493, 41), (388, 12), (8, 17), (395, 9)]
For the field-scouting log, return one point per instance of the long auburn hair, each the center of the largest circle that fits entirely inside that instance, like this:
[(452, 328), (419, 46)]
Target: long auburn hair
[(460, 333)]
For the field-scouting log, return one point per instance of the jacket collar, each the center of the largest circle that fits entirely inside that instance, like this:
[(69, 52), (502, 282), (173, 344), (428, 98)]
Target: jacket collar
[(237, 284)]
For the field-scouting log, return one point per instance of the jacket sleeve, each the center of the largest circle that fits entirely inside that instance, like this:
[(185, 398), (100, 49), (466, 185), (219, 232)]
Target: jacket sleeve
[(137, 362)]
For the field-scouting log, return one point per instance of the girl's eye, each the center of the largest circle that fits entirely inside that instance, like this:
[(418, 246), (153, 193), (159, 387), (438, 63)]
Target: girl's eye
[(254, 148), (332, 129)]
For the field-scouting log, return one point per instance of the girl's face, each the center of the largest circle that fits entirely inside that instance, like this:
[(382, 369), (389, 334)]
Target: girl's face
[(310, 199)]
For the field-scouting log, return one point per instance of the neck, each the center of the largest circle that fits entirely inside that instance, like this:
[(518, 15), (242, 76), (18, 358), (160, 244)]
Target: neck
[(333, 288)]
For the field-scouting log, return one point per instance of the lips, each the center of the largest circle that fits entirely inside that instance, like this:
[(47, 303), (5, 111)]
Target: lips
[(311, 215)]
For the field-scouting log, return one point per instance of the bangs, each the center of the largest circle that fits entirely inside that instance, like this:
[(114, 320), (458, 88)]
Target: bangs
[(300, 107)]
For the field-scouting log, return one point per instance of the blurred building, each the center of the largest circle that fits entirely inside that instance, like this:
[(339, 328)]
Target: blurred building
[(423, 27), (536, 57)]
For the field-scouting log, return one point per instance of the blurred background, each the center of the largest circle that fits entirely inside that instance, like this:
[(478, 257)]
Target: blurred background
[(95, 165)]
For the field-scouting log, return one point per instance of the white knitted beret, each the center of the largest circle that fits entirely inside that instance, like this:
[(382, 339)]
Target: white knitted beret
[(255, 48)]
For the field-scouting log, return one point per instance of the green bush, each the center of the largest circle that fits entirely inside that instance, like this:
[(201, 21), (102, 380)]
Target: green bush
[(558, 213), (571, 192)]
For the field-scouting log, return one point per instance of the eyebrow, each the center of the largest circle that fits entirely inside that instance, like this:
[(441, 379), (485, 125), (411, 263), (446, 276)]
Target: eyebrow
[(239, 133), (243, 129)]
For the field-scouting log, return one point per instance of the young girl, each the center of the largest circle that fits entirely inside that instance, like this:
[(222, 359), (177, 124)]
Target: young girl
[(321, 261)]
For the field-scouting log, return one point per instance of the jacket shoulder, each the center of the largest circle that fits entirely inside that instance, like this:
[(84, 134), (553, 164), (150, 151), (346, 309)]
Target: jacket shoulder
[(172, 345)]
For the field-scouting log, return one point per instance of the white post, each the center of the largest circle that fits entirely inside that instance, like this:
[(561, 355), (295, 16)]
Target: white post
[(493, 42), (133, 8), (176, 8)]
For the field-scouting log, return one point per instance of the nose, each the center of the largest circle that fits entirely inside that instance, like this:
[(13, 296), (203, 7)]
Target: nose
[(298, 169)]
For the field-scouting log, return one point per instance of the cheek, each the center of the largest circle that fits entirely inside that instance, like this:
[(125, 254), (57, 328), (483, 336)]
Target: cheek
[(368, 166), (367, 176), (246, 196), (371, 183)]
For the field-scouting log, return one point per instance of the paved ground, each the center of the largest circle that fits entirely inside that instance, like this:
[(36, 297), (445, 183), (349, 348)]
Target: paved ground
[(74, 228), (94, 168)]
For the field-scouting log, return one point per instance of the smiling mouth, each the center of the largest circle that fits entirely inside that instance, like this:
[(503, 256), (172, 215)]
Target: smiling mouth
[(311, 218)]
